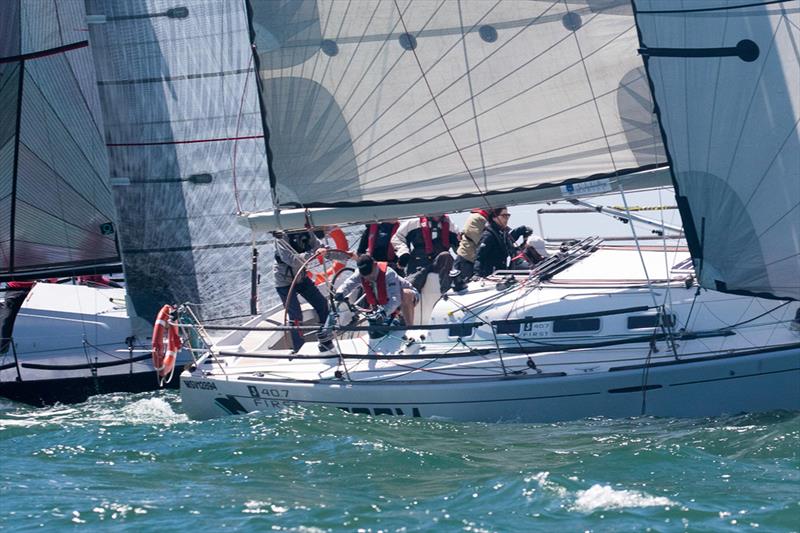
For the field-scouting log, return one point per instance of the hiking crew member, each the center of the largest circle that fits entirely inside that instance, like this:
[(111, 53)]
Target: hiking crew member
[(496, 246), (384, 290), (422, 246), (377, 242), (292, 250)]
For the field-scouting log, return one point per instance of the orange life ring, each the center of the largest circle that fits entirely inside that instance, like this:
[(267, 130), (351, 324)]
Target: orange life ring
[(340, 240), (165, 353)]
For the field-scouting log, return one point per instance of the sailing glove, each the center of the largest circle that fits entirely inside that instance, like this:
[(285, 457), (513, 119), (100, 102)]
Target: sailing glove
[(403, 260)]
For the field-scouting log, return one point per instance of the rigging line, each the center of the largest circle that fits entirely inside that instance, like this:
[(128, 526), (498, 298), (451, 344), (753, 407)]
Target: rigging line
[(714, 100), (611, 156), (746, 113), (408, 116), (645, 378), (485, 89), (439, 110), (361, 39), (472, 93), (765, 313), (367, 70), (318, 87), (494, 108), (710, 9), (496, 137), (236, 136), (790, 135)]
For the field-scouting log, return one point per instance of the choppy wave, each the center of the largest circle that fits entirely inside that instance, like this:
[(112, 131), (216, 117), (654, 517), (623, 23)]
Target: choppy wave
[(136, 461)]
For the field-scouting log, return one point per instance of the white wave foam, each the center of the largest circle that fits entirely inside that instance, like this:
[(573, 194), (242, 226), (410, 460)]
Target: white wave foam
[(151, 411), (604, 497)]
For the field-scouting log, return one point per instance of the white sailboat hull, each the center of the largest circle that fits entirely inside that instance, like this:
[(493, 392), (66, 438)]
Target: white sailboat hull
[(569, 348), (74, 341), (727, 385)]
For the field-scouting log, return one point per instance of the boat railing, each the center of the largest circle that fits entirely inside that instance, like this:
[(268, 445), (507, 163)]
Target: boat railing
[(504, 339)]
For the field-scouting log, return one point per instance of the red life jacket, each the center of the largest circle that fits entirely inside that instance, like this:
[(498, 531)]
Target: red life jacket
[(444, 235), (373, 234), (383, 296)]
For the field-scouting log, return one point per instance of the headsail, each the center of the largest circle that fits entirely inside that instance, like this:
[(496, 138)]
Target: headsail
[(185, 139), (56, 208), (399, 102), (726, 79)]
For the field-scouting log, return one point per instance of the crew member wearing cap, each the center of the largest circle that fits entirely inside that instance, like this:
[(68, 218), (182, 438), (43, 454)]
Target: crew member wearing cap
[(384, 290), (292, 251)]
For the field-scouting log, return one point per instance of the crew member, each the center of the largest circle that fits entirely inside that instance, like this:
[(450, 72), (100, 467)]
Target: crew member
[(496, 246), (376, 240), (384, 290), (292, 251), (464, 265), (423, 245)]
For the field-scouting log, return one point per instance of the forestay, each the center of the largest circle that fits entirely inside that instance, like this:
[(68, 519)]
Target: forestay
[(376, 103), (726, 79), (56, 208), (186, 147)]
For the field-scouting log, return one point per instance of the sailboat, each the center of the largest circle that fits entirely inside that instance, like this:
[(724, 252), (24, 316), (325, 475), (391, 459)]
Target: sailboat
[(72, 336), (392, 109)]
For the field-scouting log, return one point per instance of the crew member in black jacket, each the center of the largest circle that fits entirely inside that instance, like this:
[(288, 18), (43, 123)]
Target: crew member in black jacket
[(497, 243)]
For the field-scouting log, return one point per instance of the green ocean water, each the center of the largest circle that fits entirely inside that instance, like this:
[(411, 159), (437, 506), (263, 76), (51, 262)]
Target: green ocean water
[(136, 463)]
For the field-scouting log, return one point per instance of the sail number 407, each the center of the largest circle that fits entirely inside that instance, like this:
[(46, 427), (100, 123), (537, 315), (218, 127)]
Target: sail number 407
[(267, 393)]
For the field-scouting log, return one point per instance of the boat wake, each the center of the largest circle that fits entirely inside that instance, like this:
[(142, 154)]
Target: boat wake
[(118, 409)]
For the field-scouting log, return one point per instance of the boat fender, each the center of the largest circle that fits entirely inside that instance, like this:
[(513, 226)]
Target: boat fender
[(166, 344), (340, 240)]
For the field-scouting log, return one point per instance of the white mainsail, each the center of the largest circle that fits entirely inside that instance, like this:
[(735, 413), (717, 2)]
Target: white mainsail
[(726, 79), (415, 106)]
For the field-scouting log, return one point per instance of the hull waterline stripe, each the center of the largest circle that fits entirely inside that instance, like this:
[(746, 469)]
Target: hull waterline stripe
[(37, 366)]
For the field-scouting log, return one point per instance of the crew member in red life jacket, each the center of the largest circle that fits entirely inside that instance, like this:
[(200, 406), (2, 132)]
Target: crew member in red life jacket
[(423, 245), (384, 290), (12, 298), (377, 242)]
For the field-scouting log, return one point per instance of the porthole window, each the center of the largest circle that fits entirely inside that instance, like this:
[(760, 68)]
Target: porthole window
[(649, 321), (571, 325)]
